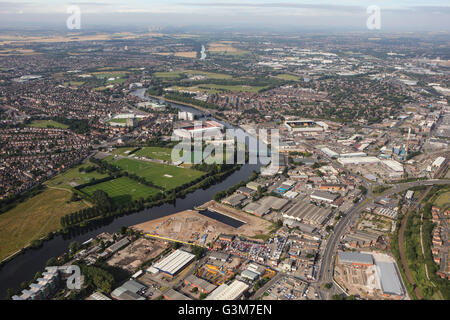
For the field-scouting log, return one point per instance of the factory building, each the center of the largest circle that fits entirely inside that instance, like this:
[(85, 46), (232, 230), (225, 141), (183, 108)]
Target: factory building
[(175, 295), (302, 211), (202, 285), (389, 279), (355, 258), (129, 291), (175, 262), (232, 291), (358, 160), (324, 196)]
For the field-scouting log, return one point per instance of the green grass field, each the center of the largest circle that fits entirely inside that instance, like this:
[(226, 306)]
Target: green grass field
[(168, 75), (164, 154), (118, 120), (106, 75), (122, 190), (73, 177), (47, 124), (287, 76), (165, 176), (443, 200), (211, 75), (34, 219)]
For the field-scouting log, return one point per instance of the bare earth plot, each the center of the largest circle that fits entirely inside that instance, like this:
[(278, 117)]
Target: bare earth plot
[(190, 225)]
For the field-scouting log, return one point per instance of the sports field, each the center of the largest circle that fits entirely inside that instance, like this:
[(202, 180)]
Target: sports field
[(74, 177), (162, 175), (164, 154), (34, 219), (46, 124), (122, 190)]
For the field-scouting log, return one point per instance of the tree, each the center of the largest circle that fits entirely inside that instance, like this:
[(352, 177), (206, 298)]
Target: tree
[(74, 246), (51, 262), (328, 285), (9, 293), (101, 198), (74, 197)]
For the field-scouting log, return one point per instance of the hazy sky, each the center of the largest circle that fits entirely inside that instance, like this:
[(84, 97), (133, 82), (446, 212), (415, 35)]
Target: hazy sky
[(395, 14)]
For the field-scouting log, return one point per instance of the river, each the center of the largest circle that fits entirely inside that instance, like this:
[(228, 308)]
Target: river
[(24, 266), (203, 53)]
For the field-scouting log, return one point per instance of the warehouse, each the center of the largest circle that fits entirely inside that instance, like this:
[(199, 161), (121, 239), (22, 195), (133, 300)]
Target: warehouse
[(353, 155), (393, 165), (221, 256), (234, 200), (129, 291), (202, 285), (254, 185), (324, 196), (257, 209), (274, 203), (250, 275), (174, 263), (358, 161), (389, 278), (409, 195), (304, 212), (175, 295), (355, 258), (329, 152), (229, 292)]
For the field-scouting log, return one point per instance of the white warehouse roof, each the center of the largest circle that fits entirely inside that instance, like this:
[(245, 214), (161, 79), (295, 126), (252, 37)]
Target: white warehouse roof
[(393, 165), (438, 162), (358, 160), (174, 262), (229, 292)]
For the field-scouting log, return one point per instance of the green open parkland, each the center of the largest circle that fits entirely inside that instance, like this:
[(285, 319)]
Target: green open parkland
[(122, 190), (47, 124), (159, 153), (73, 177), (34, 218)]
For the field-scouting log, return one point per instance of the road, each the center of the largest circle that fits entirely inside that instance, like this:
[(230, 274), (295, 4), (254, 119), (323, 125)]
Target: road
[(327, 264)]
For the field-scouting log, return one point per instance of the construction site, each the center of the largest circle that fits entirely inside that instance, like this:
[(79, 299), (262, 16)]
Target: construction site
[(203, 227)]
